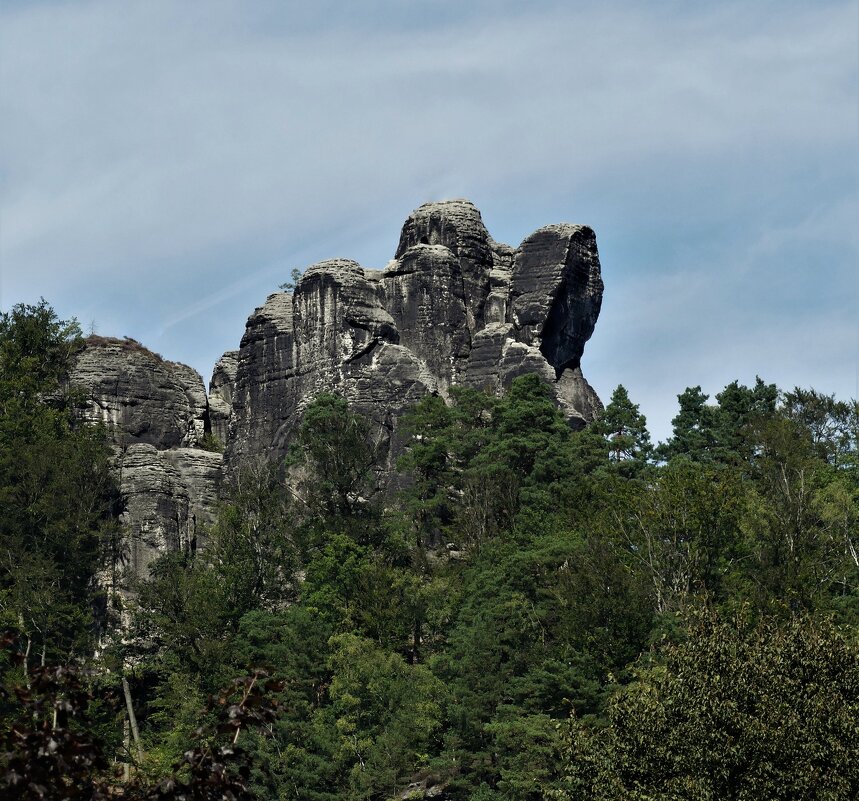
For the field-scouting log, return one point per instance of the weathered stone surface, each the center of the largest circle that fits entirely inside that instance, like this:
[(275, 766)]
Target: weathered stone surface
[(298, 345), (221, 389), (425, 294), (487, 351), (170, 496), (156, 507), (453, 307), (338, 315), (332, 334), (457, 226), (556, 292), (268, 360), (200, 475), (155, 411), (140, 397), (577, 397)]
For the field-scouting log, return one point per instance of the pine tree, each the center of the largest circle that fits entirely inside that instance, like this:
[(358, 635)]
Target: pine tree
[(624, 428)]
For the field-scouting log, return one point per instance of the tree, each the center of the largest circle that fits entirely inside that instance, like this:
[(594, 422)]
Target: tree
[(685, 531), (735, 711), (252, 549), (832, 424), (59, 499), (740, 407), (43, 754), (386, 713), (805, 530), (52, 749), (189, 608), (334, 457), (180, 619), (442, 441), (706, 433), (693, 428), (625, 431)]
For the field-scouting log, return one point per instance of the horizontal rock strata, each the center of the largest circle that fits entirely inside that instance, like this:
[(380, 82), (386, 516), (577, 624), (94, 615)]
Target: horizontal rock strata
[(156, 414)]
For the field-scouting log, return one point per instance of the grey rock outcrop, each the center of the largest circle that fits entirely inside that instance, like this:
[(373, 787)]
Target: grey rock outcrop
[(556, 292), (156, 414), (138, 396), (221, 394), (454, 307)]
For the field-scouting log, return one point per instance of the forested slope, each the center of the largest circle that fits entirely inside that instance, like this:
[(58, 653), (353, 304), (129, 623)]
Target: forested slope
[(541, 613)]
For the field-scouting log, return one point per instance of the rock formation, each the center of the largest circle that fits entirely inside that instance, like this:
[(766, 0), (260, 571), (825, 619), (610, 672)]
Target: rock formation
[(453, 307), (221, 393), (156, 413)]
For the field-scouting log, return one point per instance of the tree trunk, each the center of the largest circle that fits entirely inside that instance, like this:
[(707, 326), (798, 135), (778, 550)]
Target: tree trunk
[(132, 719)]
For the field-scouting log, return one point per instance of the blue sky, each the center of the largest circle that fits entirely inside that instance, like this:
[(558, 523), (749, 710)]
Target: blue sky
[(164, 165)]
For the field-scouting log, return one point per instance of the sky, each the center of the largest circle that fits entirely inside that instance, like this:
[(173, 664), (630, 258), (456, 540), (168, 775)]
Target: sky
[(164, 165)]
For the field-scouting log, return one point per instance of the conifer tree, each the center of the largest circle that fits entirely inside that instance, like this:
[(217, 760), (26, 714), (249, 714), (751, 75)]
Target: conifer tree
[(624, 428), (58, 498)]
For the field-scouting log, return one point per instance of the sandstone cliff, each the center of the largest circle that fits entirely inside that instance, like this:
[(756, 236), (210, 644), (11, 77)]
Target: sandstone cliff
[(453, 307), (156, 414)]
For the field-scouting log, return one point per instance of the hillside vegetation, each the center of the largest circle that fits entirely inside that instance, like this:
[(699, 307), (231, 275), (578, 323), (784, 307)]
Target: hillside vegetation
[(540, 613)]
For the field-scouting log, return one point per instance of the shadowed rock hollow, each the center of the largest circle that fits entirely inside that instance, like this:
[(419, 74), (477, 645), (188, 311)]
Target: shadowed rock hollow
[(453, 307)]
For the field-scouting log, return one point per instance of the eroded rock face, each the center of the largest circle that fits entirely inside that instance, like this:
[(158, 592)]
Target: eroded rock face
[(221, 394), (453, 307), (138, 396), (556, 292), (156, 413)]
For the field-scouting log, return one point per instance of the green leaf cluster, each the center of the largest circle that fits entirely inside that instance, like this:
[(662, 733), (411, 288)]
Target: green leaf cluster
[(57, 494), (539, 612)]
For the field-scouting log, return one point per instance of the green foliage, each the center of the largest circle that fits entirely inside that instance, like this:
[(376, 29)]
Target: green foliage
[(735, 711), (705, 433), (443, 441), (804, 540), (210, 442), (385, 714), (334, 458), (57, 494), (442, 637), (191, 605), (694, 433), (528, 749), (294, 277), (36, 349), (625, 431), (43, 754), (174, 715), (252, 548), (179, 616), (685, 531), (833, 425)]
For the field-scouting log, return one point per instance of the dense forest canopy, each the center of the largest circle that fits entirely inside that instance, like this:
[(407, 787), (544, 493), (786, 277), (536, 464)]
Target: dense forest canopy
[(539, 613)]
